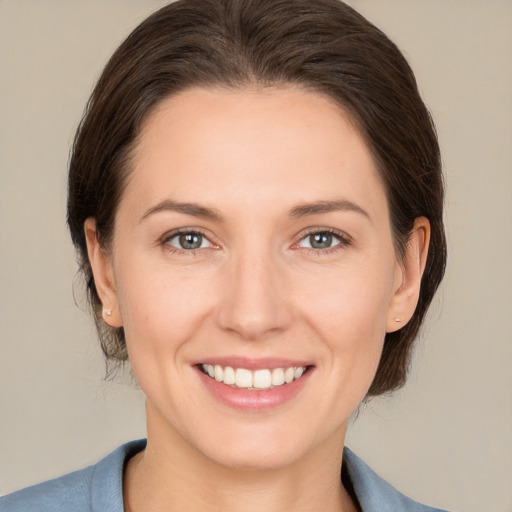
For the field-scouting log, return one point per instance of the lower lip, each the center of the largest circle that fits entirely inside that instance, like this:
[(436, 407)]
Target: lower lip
[(254, 400)]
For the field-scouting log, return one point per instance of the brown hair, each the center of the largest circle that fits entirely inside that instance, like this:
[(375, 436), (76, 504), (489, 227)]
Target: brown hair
[(322, 45)]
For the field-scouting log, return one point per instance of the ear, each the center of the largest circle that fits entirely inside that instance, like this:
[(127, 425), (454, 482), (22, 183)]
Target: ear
[(103, 274), (408, 276)]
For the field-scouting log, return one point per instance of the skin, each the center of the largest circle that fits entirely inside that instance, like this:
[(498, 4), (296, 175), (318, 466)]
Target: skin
[(256, 288)]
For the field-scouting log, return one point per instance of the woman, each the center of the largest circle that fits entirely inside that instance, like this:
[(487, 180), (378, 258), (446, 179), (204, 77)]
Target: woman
[(256, 197)]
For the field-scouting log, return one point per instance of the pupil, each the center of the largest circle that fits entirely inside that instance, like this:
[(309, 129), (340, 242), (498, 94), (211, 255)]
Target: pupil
[(321, 240), (190, 241)]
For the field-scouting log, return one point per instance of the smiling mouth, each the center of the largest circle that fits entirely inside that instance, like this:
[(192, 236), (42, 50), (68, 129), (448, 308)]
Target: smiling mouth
[(241, 378)]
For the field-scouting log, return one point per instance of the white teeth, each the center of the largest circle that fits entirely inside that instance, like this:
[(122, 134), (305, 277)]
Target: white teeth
[(277, 377), (262, 379), (259, 379), (229, 375), (243, 378), (219, 373), (289, 375), (298, 372)]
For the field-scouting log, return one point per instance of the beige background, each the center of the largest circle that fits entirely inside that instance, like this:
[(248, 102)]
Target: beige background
[(445, 439)]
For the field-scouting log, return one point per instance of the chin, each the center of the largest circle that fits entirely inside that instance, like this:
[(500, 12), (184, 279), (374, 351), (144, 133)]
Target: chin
[(252, 457), (267, 447)]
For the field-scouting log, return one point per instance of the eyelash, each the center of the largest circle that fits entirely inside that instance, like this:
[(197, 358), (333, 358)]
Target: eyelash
[(343, 241), (176, 250)]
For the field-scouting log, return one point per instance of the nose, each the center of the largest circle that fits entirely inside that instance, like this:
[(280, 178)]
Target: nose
[(254, 305)]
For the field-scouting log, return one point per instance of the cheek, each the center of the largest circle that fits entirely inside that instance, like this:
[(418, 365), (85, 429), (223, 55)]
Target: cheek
[(354, 297), (163, 311), (347, 308), (162, 307)]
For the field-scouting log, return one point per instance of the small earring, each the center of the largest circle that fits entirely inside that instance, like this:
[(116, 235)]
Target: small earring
[(396, 319), (108, 312)]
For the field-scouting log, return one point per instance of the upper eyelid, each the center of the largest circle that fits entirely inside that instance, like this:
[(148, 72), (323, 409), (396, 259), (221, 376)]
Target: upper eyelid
[(343, 236), (170, 235), (180, 231), (313, 231), (345, 240)]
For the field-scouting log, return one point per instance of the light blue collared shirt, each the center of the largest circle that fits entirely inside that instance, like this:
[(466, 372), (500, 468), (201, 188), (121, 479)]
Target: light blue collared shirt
[(99, 488)]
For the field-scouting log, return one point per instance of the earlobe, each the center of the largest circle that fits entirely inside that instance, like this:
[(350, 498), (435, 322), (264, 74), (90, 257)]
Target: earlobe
[(412, 266), (101, 266)]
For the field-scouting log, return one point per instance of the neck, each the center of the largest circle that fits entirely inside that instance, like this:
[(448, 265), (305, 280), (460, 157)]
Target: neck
[(171, 475)]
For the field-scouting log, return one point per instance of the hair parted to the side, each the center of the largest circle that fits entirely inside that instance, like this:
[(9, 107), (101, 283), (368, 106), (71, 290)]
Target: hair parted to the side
[(322, 45)]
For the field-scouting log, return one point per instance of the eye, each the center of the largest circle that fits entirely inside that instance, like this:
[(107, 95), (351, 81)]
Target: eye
[(322, 240), (189, 241)]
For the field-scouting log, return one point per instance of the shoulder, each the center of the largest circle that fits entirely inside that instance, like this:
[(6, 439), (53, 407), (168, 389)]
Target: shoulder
[(68, 492), (374, 493), (95, 488)]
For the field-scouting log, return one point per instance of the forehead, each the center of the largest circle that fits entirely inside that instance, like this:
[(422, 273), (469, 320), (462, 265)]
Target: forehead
[(255, 145)]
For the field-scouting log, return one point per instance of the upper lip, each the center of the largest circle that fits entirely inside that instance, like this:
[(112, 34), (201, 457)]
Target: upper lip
[(254, 363)]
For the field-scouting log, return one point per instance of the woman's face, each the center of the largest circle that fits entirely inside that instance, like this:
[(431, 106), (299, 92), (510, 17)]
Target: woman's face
[(253, 237)]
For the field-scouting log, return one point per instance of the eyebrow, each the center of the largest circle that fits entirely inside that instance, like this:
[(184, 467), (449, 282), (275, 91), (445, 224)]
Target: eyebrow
[(193, 209), (327, 207), (303, 210)]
